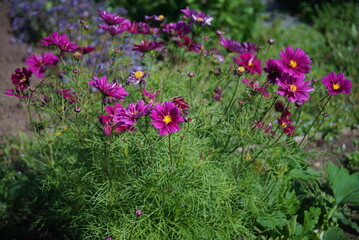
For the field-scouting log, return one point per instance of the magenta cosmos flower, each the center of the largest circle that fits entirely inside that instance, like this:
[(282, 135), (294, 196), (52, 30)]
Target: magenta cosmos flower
[(294, 62), (286, 123), (254, 85), (337, 83), (155, 18), (166, 118), (111, 91), (116, 29), (234, 46), (108, 123), (150, 96), (110, 18), (60, 40), (147, 46), (38, 63), (250, 62), (132, 113), (294, 89)]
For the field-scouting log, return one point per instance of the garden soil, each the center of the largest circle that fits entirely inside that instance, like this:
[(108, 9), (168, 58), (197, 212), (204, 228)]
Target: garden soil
[(13, 117)]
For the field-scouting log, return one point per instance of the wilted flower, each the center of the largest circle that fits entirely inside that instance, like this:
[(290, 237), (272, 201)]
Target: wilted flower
[(110, 91), (254, 85), (166, 117), (149, 97), (286, 124), (71, 97), (137, 77), (37, 63), (147, 46), (217, 94), (294, 89), (191, 46), (182, 105), (250, 62), (337, 83)]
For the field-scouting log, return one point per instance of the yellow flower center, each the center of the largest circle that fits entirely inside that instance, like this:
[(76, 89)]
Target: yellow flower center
[(293, 64), (161, 16), (167, 119), (23, 79), (138, 74), (336, 86), (202, 48), (284, 125), (293, 87), (200, 19), (58, 133), (241, 69), (133, 113), (250, 63)]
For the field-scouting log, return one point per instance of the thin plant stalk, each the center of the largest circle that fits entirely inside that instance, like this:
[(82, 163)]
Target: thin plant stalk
[(316, 118)]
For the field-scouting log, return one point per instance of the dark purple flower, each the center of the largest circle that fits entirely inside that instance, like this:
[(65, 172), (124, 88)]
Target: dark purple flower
[(295, 63), (279, 107), (38, 63), (182, 105), (273, 70), (147, 46), (286, 124), (337, 83), (140, 27), (234, 46), (21, 78), (110, 91), (294, 89), (166, 117), (178, 29), (250, 62)]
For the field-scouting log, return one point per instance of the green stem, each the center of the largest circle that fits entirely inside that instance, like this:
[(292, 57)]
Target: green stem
[(320, 112)]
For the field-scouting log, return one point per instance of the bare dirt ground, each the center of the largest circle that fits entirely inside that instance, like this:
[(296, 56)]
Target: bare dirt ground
[(13, 117)]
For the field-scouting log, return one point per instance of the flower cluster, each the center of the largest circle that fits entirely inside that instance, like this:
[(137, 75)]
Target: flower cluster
[(114, 23), (60, 40)]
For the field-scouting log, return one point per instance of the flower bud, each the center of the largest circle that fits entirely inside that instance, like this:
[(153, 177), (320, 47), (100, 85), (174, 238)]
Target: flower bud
[(190, 74), (270, 41), (138, 212), (77, 109)]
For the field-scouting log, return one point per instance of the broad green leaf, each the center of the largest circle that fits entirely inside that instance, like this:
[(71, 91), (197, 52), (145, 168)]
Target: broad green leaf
[(273, 221), (345, 186), (334, 234)]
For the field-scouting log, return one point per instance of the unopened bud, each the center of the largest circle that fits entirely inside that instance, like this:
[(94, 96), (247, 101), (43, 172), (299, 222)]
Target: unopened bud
[(270, 41)]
